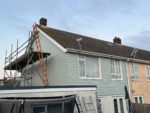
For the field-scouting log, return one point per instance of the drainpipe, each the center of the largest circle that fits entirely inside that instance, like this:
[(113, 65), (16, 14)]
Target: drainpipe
[(128, 77)]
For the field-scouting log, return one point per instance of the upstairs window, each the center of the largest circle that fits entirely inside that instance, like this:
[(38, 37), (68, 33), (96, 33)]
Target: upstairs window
[(134, 71), (115, 69), (89, 67), (148, 72)]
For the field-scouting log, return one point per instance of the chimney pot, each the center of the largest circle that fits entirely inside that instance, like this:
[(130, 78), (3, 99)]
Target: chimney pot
[(117, 40), (43, 21)]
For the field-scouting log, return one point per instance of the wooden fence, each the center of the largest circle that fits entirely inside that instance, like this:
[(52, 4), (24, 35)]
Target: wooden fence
[(141, 108)]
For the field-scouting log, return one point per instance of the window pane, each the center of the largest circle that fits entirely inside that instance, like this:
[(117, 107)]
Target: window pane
[(134, 71), (82, 68), (121, 105), (136, 100), (112, 66), (118, 67), (39, 109), (115, 106), (115, 69), (140, 100), (92, 68), (148, 72)]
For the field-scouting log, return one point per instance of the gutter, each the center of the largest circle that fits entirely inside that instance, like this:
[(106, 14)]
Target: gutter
[(70, 50)]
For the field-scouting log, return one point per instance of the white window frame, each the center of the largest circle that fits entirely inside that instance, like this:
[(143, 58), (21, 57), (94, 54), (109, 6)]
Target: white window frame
[(148, 72), (115, 74), (135, 75), (100, 102), (118, 104), (138, 97), (86, 77)]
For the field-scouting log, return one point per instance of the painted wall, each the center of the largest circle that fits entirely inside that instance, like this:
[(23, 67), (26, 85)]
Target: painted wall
[(63, 70), (57, 64), (140, 87)]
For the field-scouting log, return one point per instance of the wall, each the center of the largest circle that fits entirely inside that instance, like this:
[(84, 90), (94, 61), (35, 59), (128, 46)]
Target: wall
[(56, 64), (140, 87), (63, 70)]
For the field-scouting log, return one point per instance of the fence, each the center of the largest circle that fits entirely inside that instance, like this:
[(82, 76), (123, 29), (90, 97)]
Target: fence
[(141, 108)]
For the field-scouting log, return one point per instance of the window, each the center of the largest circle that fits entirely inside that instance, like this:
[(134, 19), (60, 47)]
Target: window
[(82, 66), (148, 72), (138, 99), (100, 105), (118, 105), (89, 67), (115, 69), (121, 105), (134, 71), (40, 109), (115, 106)]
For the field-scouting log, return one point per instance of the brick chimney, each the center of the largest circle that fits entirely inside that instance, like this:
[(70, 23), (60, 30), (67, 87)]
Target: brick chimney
[(117, 40), (43, 21)]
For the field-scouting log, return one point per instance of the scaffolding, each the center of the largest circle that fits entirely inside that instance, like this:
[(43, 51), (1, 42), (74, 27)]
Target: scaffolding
[(19, 63)]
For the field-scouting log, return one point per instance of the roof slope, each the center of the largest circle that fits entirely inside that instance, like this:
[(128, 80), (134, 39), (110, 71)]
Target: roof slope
[(68, 40)]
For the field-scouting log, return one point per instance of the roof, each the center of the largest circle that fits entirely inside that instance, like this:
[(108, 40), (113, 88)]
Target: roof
[(22, 61), (68, 40)]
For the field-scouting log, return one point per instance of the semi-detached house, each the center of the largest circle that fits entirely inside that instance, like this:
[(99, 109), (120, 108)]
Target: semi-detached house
[(82, 60)]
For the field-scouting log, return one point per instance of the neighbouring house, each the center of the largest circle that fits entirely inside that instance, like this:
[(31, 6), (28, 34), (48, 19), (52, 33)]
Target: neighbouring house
[(81, 60), (139, 76)]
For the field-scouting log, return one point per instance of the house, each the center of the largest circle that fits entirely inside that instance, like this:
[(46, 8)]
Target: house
[(80, 60), (139, 77)]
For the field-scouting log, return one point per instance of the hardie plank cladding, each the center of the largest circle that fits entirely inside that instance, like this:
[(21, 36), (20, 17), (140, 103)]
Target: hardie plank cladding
[(56, 64), (63, 70), (105, 86)]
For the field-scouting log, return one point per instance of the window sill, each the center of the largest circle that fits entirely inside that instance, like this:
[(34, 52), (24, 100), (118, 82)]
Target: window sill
[(87, 78), (117, 79), (138, 80)]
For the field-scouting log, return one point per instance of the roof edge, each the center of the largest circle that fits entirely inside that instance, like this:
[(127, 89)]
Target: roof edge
[(52, 40), (106, 55)]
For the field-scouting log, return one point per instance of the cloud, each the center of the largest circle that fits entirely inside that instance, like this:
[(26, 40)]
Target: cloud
[(142, 40)]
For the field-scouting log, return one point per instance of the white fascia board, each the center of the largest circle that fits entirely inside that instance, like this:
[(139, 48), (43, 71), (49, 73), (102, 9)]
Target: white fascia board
[(53, 41), (47, 90), (106, 55), (95, 54)]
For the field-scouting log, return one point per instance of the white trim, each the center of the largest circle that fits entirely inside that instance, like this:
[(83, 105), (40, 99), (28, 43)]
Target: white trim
[(85, 77), (118, 103), (99, 68), (138, 99), (89, 78), (146, 69), (22, 91), (133, 74), (115, 70), (52, 40), (106, 55)]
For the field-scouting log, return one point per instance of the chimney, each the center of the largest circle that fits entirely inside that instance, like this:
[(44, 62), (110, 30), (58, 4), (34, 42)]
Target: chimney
[(117, 40), (43, 21)]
